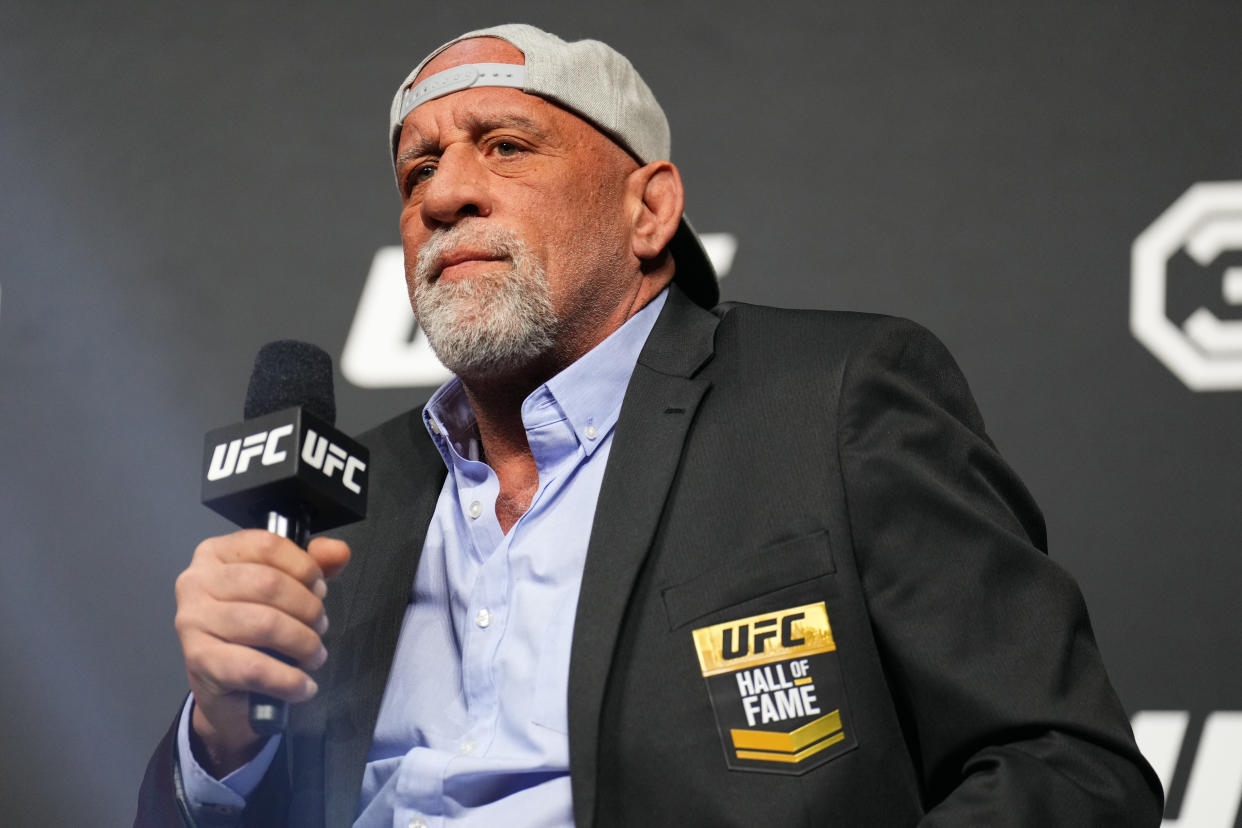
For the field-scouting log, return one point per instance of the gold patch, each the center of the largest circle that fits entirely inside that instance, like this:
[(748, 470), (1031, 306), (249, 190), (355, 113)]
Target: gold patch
[(764, 639), (775, 685)]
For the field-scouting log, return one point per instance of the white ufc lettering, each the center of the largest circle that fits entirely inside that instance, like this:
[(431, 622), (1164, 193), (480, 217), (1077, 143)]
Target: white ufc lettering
[(319, 453), (234, 456)]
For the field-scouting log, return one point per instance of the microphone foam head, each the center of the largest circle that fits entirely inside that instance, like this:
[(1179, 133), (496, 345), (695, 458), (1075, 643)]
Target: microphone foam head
[(289, 373)]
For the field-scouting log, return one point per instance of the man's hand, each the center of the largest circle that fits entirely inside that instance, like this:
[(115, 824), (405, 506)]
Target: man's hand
[(243, 591)]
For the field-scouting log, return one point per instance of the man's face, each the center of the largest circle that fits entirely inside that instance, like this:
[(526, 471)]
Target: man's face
[(513, 223)]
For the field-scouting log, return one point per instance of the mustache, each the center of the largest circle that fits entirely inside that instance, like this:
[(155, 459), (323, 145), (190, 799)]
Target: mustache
[(490, 240)]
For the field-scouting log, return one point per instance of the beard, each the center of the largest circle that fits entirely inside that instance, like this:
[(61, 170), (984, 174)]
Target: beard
[(488, 323)]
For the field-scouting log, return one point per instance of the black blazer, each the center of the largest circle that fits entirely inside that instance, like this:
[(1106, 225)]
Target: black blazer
[(764, 460)]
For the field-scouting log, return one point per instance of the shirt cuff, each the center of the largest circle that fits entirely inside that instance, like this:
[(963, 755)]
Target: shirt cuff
[(210, 798)]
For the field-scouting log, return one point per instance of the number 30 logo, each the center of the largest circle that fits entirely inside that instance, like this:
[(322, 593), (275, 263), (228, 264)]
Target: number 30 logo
[(1204, 351)]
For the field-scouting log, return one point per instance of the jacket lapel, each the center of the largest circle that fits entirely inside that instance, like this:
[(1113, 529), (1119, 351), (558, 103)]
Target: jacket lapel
[(656, 414), (386, 550)]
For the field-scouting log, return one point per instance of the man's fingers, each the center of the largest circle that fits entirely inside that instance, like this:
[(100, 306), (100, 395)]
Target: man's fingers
[(220, 668), (245, 591), (253, 625), (257, 546), (259, 584)]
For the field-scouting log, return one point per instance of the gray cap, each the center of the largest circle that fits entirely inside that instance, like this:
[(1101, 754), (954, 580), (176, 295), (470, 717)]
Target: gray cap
[(590, 79)]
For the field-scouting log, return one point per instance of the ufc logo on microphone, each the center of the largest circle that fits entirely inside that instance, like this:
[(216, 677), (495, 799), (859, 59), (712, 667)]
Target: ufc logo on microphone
[(282, 459), (328, 457), (234, 456)]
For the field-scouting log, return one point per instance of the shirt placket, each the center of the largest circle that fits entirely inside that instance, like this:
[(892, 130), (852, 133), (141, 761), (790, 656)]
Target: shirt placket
[(487, 617), (485, 609)]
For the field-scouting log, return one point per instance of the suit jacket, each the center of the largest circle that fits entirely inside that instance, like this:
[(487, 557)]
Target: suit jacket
[(766, 460)]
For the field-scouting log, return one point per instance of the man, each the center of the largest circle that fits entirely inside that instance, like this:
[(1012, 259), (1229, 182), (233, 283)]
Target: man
[(685, 567)]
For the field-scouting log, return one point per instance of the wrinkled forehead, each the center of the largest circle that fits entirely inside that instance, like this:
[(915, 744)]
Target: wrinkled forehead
[(487, 64), (587, 78), (477, 61), (465, 63)]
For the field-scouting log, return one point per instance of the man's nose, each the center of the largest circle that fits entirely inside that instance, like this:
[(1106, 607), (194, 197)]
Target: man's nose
[(458, 188)]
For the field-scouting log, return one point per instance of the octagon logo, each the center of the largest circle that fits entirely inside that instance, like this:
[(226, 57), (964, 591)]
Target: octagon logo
[(1203, 351)]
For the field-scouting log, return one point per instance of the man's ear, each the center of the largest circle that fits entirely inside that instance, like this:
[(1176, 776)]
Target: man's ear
[(657, 199)]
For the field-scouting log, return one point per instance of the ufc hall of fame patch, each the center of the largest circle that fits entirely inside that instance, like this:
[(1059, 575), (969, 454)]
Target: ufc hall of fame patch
[(775, 685)]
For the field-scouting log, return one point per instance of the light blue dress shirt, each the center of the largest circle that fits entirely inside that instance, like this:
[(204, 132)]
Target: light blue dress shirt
[(472, 729)]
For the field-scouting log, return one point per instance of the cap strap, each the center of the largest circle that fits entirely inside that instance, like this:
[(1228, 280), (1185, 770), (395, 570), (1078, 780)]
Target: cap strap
[(462, 77)]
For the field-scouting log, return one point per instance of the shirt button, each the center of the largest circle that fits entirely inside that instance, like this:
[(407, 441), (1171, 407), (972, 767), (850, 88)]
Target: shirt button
[(435, 429), (591, 432), (483, 618), (468, 747), (476, 509), (418, 822)]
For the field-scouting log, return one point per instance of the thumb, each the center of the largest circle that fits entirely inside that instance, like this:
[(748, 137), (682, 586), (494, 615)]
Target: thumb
[(331, 555)]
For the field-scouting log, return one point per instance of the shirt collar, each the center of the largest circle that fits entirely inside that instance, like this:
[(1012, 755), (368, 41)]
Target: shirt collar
[(588, 393)]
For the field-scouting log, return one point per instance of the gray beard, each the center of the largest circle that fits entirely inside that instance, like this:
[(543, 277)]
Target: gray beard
[(487, 324)]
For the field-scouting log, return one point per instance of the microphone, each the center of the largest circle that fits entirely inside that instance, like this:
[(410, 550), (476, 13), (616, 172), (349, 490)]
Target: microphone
[(285, 468)]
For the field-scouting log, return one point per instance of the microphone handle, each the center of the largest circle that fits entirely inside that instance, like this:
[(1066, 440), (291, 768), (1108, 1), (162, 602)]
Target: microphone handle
[(270, 716)]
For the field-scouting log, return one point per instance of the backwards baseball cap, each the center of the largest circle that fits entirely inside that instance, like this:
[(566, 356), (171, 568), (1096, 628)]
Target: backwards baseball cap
[(590, 79)]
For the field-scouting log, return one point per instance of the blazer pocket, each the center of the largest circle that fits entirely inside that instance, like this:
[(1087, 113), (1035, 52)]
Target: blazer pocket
[(749, 575)]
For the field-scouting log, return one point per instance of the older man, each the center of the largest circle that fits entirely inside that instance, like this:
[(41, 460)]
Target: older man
[(686, 567)]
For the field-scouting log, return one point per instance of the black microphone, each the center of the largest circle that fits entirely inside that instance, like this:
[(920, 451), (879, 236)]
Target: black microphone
[(286, 468)]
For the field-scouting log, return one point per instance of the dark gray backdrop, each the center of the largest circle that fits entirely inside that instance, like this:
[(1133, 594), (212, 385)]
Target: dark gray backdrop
[(181, 182)]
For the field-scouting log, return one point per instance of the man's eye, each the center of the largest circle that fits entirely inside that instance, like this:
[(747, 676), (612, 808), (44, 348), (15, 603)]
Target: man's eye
[(507, 149), (418, 175)]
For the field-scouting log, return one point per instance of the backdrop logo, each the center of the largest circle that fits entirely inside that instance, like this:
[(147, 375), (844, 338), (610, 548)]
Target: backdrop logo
[(1208, 796), (385, 347), (1202, 229)]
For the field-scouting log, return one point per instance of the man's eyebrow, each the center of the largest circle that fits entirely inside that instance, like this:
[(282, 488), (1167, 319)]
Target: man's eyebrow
[(420, 149), (490, 123)]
